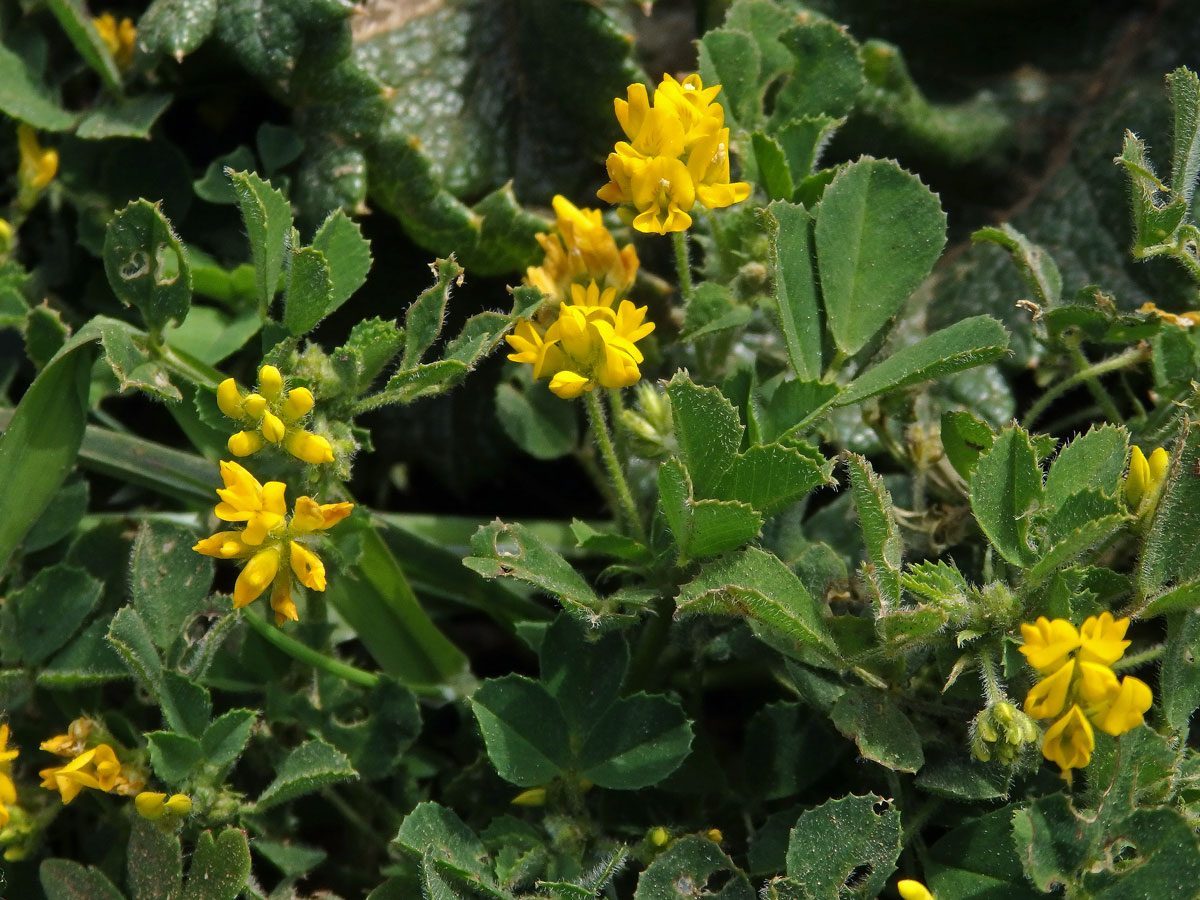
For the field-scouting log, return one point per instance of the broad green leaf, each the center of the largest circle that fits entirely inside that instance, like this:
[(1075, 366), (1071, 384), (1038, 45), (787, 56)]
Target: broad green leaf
[(802, 141), (1171, 552), (220, 867), (936, 581), (792, 407), (175, 757), (423, 321), (425, 380), (63, 879), (77, 23), (637, 742), (216, 185), (130, 117), (268, 218), (707, 429), (730, 58), (432, 828), (186, 705), (310, 767), (881, 532), (687, 867), (787, 750), (348, 254), (212, 335), (702, 528), (292, 859), (582, 669), (756, 584), (771, 477), (1179, 679), (40, 443), (882, 731), (309, 291), (1157, 211), (523, 729), (793, 258), (50, 608), (1006, 487), (536, 421), (1037, 267), (147, 266), (176, 27), (773, 172), (834, 840), (879, 231), (964, 438), (1083, 521), (964, 345), (24, 97), (153, 863), (977, 861), (1093, 461), (169, 581), (1185, 142), (373, 344), (226, 737), (826, 74), (765, 21), (87, 660), (1182, 598)]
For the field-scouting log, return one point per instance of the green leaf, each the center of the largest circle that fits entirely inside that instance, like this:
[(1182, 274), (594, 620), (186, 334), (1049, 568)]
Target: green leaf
[(702, 528), (130, 117), (787, 750), (425, 380), (582, 669), (1037, 267), (50, 608), (830, 842), (175, 757), (147, 266), (710, 310), (964, 438), (730, 58), (131, 639), (882, 731), (964, 345), (881, 532), (211, 335), (39, 446), (771, 477), (976, 861), (525, 733), (168, 579), (756, 584), (936, 581), (423, 321), (687, 867), (1171, 552), (792, 406), (311, 766), (268, 218), (153, 863), (292, 859), (433, 829), (639, 741), (1179, 679), (176, 27), (309, 291), (707, 429), (827, 74), (1006, 487), (348, 254), (225, 739), (186, 705), (536, 421), (25, 97), (87, 660), (77, 23), (220, 867), (879, 231), (792, 256), (1185, 140), (773, 172), (1157, 211), (63, 879), (502, 550), (802, 141), (1084, 521), (1094, 461)]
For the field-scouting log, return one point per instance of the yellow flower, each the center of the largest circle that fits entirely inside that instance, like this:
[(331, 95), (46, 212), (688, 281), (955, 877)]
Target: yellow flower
[(272, 416), (97, 768), (1183, 320), (1070, 741), (1048, 643), (38, 164), (693, 105), (663, 192), (1146, 478), (579, 250), (1048, 697), (268, 533), (118, 37), (1124, 710), (74, 741), (708, 164), (8, 791), (1102, 639), (153, 805), (913, 890)]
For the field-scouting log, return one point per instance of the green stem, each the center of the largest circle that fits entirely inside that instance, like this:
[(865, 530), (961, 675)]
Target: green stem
[(1134, 660), (620, 432), (993, 691), (682, 264), (307, 655), (1130, 357), (1103, 398), (609, 454)]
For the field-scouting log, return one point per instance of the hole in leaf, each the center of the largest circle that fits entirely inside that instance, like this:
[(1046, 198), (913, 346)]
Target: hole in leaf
[(881, 807), (136, 266), (166, 264), (858, 875), (717, 881)]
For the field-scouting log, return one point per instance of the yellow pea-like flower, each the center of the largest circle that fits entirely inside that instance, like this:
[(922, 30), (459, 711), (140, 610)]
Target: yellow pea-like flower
[(38, 165), (1048, 643), (272, 416), (1070, 741), (1049, 696)]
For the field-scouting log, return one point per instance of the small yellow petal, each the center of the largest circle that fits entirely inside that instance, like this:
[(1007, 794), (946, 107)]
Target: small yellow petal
[(270, 382), (532, 797), (1049, 696), (150, 805), (308, 567), (254, 405), (309, 447), (282, 603), (299, 403), (913, 890), (245, 443), (179, 804), (569, 385), (229, 399), (255, 577), (272, 427)]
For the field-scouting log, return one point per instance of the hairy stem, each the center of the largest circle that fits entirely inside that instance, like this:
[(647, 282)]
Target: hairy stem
[(609, 454), (682, 264)]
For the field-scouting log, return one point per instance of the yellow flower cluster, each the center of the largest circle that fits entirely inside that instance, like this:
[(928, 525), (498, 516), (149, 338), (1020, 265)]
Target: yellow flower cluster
[(38, 164), (677, 155), (118, 37), (96, 766), (1146, 478), (8, 791), (580, 250), (266, 536), (153, 805), (272, 416), (1079, 688), (589, 344)]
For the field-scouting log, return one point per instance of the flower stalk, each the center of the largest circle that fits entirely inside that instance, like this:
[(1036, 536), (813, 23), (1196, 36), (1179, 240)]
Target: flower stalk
[(615, 473)]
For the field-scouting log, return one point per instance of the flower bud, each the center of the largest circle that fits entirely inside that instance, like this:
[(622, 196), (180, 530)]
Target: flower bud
[(245, 443), (255, 405), (229, 399), (150, 805), (1001, 731), (531, 797), (312, 448), (299, 403), (272, 428), (270, 382), (179, 804)]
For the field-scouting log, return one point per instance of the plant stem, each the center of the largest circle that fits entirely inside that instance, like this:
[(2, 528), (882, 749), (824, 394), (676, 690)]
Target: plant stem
[(620, 432), (1103, 398), (305, 654), (993, 691), (682, 264), (609, 454), (1130, 357), (1137, 659)]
